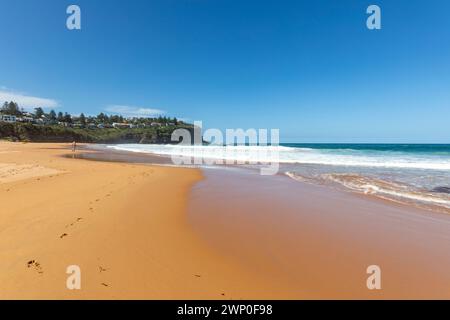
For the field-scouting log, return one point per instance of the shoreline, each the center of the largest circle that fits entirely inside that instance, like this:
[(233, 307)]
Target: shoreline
[(346, 170), (319, 240)]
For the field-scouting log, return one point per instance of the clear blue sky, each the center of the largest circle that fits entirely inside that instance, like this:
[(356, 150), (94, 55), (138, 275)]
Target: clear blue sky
[(310, 68)]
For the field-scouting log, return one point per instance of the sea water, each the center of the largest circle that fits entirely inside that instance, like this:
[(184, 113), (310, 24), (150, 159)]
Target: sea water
[(412, 173)]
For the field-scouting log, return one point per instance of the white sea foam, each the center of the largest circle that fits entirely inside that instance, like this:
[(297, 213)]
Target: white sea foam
[(378, 187), (384, 189), (292, 155), (398, 176)]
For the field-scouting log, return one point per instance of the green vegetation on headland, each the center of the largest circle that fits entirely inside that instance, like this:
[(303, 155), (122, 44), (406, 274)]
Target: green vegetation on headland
[(54, 133), (18, 125)]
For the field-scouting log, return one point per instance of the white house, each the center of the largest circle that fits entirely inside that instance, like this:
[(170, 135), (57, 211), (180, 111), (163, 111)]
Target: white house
[(27, 119), (121, 125), (8, 118)]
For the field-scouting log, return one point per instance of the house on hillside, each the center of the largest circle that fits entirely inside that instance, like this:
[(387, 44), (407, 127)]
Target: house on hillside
[(26, 119), (122, 125), (8, 118)]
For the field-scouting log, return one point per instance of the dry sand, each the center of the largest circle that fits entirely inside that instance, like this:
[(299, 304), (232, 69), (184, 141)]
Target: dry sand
[(123, 224)]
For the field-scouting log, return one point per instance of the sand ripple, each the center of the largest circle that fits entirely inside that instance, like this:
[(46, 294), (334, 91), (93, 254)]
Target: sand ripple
[(10, 172)]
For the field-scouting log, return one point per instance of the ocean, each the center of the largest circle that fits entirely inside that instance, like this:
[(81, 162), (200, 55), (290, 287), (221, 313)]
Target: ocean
[(417, 174)]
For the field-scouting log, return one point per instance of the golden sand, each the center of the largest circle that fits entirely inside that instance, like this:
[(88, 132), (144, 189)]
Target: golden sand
[(124, 225)]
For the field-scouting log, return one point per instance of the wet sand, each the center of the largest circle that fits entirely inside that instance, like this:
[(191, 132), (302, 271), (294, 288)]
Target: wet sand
[(316, 242), (320, 241)]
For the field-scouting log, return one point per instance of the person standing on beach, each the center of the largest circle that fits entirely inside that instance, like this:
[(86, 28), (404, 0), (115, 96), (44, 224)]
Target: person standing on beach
[(74, 146)]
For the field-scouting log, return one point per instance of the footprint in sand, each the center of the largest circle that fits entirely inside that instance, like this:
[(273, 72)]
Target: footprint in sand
[(73, 223), (35, 265)]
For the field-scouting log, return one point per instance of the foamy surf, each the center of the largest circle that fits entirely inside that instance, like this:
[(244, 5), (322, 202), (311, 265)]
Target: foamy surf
[(402, 173), (299, 155), (384, 189)]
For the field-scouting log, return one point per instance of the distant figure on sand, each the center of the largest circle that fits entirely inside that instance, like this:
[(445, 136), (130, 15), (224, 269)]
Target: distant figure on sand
[(74, 146)]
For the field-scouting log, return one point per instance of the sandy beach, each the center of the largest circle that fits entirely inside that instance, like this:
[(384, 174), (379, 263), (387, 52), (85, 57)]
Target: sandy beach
[(320, 241), (141, 231), (124, 225)]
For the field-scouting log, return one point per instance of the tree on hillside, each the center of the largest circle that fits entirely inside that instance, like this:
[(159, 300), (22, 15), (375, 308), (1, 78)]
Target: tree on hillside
[(60, 117), (114, 118), (102, 118), (4, 107), (39, 112), (52, 115), (14, 109), (11, 108), (82, 119), (67, 118)]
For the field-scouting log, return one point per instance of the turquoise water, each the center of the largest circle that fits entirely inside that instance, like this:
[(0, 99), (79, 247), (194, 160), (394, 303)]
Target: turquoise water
[(434, 149), (413, 173)]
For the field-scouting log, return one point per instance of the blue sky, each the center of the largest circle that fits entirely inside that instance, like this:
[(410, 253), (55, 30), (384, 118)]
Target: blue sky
[(310, 68)]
